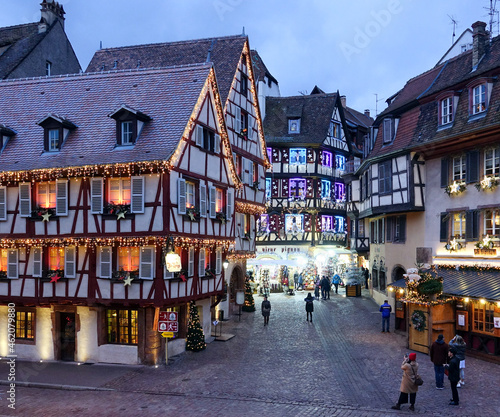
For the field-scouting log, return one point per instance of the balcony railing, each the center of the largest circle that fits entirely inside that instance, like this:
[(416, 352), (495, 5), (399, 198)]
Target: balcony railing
[(352, 166)]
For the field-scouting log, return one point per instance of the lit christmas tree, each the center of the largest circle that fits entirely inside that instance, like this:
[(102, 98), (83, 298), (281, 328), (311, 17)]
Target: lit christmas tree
[(195, 339), (249, 304)]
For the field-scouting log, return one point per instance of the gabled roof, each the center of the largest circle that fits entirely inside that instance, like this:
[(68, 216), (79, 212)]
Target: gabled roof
[(357, 118), (87, 100), (259, 68), (16, 43), (315, 112), (224, 52), (477, 284)]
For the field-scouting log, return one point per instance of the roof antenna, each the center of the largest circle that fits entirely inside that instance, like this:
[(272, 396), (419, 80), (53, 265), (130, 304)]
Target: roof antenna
[(492, 11), (454, 22)]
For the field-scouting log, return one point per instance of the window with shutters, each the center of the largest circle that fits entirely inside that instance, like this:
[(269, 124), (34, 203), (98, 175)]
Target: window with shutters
[(207, 139), (297, 188), (9, 268), (334, 130), (3, 203), (389, 130), (128, 259), (192, 199), (326, 189), (123, 196), (25, 324), (459, 168), (327, 223), (396, 229), (385, 177), (268, 188), (458, 225)]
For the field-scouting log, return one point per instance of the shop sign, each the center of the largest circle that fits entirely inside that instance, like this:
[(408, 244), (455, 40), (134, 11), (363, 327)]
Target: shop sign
[(168, 321)]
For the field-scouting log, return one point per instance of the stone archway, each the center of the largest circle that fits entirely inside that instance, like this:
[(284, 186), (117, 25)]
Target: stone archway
[(397, 272)]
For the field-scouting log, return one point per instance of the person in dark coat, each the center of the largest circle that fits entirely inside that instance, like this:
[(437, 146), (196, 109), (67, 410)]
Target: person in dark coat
[(459, 344), (309, 306), (325, 288), (266, 310), (454, 375), (408, 386), (439, 356)]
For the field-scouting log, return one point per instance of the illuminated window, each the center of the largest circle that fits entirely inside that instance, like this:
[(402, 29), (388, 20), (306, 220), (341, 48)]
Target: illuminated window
[(297, 156), (46, 197), (458, 225), (219, 200), (122, 326), (459, 168), (483, 317), (3, 260), (119, 191), (327, 159), (297, 188), (340, 224), (56, 258), (270, 154), (325, 189), (479, 99), (268, 188), (294, 223), (25, 325), (190, 194), (339, 191), (492, 222), (327, 223), (293, 125), (334, 130), (340, 162), (128, 258)]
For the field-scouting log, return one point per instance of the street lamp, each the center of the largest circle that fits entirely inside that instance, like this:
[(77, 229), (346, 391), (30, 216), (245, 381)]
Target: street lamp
[(225, 264)]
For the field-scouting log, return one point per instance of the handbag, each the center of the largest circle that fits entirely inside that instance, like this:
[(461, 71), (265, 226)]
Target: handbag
[(417, 378)]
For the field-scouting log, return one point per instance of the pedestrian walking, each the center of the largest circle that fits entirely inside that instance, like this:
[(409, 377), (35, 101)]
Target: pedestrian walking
[(309, 307), (316, 288), (266, 310), (366, 275), (459, 344), (454, 375), (439, 356), (408, 386), (301, 281), (336, 282), (385, 309), (325, 288)]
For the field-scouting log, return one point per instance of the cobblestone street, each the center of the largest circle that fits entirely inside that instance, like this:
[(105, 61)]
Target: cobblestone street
[(339, 365)]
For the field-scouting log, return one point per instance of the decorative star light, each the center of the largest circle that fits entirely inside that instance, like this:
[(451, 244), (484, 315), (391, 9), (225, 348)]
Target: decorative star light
[(46, 216), (127, 281), (454, 187), (55, 278), (120, 215)]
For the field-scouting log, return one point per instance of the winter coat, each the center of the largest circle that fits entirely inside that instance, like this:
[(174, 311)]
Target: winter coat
[(460, 350), (266, 308), (336, 279), (325, 284), (407, 382), (454, 369), (309, 304), (385, 309), (439, 352)]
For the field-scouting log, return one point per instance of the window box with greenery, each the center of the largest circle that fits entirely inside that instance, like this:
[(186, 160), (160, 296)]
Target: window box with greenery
[(3, 275), (456, 188), (193, 214), (121, 211), (221, 216), (487, 183), (209, 272), (255, 185), (53, 275), (455, 244), (244, 133), (122, 275), (43, 214)]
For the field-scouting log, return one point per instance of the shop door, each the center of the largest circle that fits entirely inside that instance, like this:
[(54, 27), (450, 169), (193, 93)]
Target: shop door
[(67, 336), (418, 340)]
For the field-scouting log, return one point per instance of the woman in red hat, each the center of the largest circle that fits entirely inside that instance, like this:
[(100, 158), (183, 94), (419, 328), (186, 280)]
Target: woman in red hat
[(408, 386)]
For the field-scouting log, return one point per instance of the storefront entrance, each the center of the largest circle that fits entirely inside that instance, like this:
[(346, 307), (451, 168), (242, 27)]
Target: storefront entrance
[(66, 336)]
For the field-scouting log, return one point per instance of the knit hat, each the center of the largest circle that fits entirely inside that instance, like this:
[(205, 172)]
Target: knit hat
[(412, 356), (440, 337)]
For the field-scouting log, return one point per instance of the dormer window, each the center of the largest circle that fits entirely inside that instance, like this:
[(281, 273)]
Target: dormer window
[(129, 124), (293, 126), (56, 130), (390, 126), (479, 96), (5, 134), (446, 111)]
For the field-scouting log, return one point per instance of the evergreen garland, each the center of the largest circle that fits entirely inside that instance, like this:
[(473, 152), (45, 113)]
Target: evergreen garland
[(195, 339)]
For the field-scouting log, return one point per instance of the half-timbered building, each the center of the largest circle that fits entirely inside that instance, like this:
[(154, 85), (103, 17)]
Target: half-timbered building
[(39, 48), (308, 143), (232, 62), (103, 178)]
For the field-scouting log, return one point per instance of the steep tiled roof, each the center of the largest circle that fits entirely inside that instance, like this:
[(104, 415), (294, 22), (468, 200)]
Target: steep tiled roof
[(412, 90), (357, 117), (167, 96), (225, 54), (16, 42), (315, 112), (259, 68)]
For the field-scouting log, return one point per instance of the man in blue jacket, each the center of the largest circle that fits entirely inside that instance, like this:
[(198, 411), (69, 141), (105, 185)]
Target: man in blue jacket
[(385, 309)]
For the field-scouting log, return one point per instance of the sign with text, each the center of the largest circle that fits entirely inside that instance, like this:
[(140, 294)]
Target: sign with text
[(173, 262)]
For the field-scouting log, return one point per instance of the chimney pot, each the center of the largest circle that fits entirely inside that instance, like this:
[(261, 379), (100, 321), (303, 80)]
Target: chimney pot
[(480, 38), (367, 112)]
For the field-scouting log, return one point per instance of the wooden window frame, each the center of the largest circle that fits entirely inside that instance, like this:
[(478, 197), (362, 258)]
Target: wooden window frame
[(31, 323), (133, 337)]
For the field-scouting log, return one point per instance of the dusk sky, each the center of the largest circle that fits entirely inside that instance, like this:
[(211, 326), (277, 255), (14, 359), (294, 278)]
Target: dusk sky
[(359, 47)]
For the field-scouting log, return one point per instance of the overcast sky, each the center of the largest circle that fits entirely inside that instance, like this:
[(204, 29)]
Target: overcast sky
[(359, 47)]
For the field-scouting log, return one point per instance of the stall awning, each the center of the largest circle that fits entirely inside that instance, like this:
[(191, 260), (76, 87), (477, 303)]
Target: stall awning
[(476, 284), (400, 283)]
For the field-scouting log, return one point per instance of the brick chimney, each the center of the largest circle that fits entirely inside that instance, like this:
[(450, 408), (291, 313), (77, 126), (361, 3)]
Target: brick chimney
[(480, 38), (367, 112), (343, 101), (51, 11)]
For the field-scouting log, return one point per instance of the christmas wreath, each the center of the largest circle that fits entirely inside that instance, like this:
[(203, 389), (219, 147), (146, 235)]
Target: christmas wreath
[(418, 320)]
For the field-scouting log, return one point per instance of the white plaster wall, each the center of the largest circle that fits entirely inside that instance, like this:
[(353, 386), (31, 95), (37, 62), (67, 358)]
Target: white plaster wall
[(122, 354), (87, 349)]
